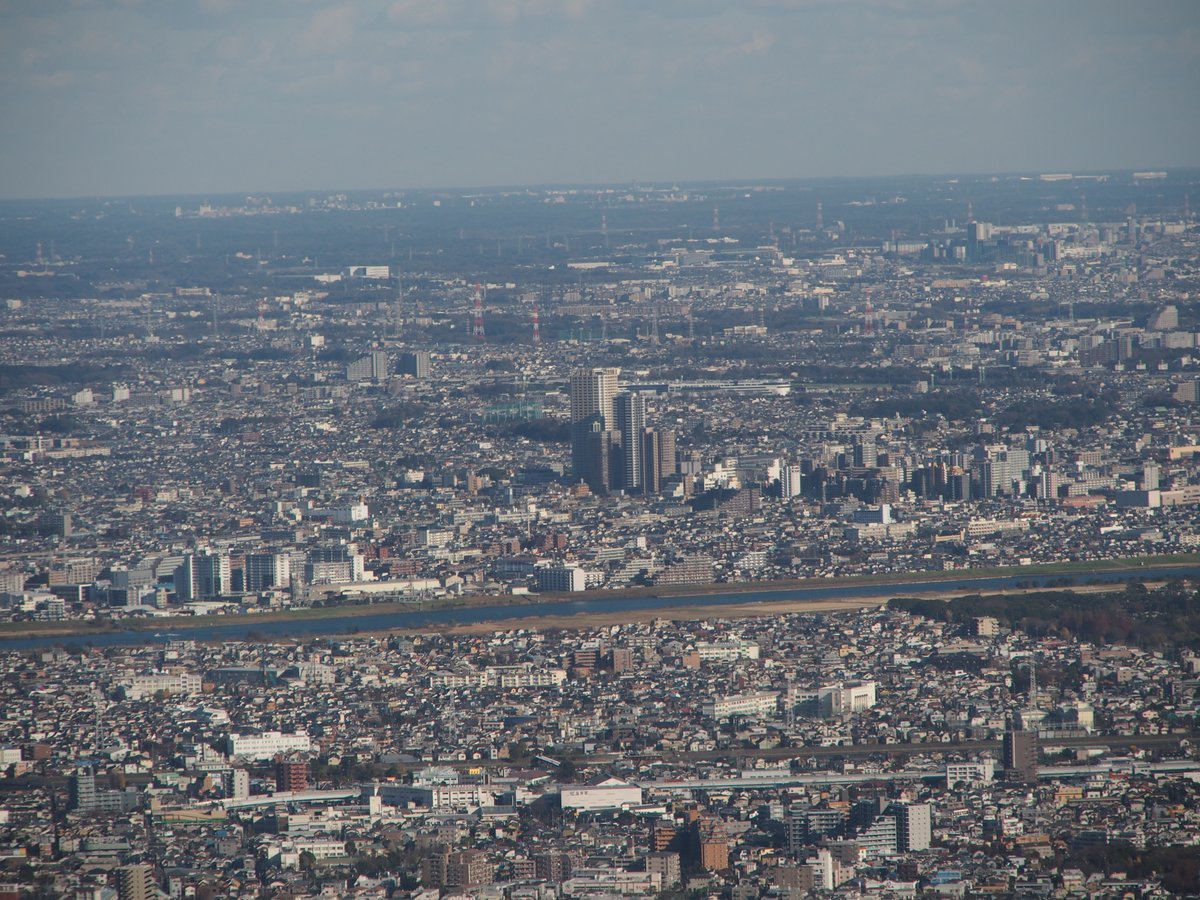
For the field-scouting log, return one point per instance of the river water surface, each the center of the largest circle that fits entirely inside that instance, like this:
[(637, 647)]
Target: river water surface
[(243, 627)]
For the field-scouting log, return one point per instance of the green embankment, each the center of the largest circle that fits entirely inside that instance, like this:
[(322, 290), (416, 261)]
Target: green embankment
[(82, 629)]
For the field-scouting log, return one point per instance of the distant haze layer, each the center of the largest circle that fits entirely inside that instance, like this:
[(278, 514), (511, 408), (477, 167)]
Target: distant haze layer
[(118, 97)]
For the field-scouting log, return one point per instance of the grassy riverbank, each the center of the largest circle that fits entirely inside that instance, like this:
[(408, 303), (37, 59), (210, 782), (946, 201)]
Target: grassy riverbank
[(81, 630)]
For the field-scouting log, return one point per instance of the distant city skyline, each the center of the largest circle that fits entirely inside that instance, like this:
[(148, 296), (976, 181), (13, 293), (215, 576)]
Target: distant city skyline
[(129, 98)]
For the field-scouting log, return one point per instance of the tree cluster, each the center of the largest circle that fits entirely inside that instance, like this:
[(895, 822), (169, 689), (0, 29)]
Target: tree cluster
[(1168, 616)]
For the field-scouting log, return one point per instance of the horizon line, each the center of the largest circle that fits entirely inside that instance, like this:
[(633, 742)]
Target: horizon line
[(611, 184)]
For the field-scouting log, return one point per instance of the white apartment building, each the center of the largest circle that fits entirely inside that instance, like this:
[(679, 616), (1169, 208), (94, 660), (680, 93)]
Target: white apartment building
[(726, 651), (970, 772), (561, 579), (756, 704), (516, 676), (267, 744), (524, 675), (174, 682), (449, 678)]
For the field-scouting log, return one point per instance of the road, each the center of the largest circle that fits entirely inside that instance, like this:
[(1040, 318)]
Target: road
[(860, 751), (743, 755)]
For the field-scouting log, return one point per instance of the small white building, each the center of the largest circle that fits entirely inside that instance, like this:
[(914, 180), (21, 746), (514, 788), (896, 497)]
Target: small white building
[(845, 698), (564, 579), (970, 772), (726, 651), (604, 793)]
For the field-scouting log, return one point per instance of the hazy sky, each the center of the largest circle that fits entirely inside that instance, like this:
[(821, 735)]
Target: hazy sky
[(206, 96)]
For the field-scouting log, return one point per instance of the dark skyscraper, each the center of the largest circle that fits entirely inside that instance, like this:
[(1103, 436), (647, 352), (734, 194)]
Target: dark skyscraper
[(658, 458), (1021, 755), (597, 451), (650, 448)]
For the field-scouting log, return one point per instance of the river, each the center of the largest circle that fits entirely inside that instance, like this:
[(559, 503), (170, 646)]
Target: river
[(241, 627)]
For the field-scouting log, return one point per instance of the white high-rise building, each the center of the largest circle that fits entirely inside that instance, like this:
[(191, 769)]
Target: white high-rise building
[(629, 411), (789, 481), (593, 391), (914, 826), (561, 578), (823, 871), (203, 576)]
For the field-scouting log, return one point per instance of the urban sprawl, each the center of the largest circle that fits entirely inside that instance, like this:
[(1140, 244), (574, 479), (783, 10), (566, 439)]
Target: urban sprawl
[(219, 418)]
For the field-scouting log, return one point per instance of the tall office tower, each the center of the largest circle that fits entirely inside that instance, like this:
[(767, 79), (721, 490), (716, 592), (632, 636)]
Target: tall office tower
[(267, 570), (203, 576), (630, 413), (658, 458), (416, 364), (978, 234), (136, 883), (789, 482), (958, 485), (1020, 753), (212, 574), (941, 476), (592, 393)]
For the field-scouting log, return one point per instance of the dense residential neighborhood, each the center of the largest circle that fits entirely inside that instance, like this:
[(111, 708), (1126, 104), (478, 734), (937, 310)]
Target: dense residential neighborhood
[(579, 763), (540, 546)]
